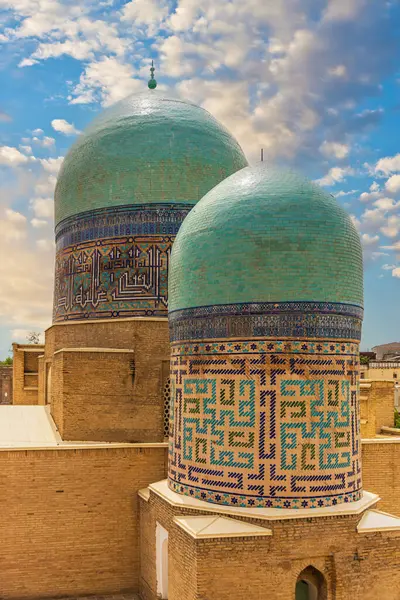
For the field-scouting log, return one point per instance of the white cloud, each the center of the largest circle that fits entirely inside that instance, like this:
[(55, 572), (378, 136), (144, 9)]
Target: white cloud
[(38, 131), (392, 226), (45, 142), (108, 80), (45, 245), (387, 267), (334, 150), (12, 157), (396, 272), (343, 10), (62, 126), (43, 208), (12, 226), (37, 223), (386, 204), (26, 149), (393, 184), (145, 12), (388, 164), (335, 175), (369, 240), (51, 165), (349, 193), (338, 71)]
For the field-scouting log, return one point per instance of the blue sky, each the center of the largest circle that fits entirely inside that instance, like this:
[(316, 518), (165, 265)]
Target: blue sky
[(316, 83)]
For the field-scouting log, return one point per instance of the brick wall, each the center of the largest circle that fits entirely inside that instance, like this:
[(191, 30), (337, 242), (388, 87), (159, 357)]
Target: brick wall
[(6, 381), (268, 567), (69, 523), (376, 406), (93, 398), (109, 398), (380, 461), (25, 373)]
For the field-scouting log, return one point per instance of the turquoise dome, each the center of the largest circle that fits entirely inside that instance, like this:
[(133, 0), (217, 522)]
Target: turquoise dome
[(266, 235), (146, 149)]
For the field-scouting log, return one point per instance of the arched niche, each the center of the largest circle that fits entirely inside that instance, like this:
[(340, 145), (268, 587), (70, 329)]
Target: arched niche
[(311, 585), (162, 561)]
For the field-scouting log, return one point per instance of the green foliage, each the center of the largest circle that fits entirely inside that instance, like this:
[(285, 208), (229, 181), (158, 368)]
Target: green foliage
[(364, 360), (396, 419), (7, 362)]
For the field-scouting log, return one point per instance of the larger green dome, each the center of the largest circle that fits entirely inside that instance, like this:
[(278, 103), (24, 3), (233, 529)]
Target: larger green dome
[(266, 235), (146, 149)]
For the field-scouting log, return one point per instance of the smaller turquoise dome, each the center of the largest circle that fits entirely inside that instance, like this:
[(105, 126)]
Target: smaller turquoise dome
[(266, 235)]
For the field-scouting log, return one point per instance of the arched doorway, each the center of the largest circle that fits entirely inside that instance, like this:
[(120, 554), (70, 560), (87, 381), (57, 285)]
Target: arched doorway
[(311, 585)]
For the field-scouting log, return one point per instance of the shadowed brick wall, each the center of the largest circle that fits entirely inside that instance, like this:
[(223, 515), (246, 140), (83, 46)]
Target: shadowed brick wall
[(6, 380), (98, 393)]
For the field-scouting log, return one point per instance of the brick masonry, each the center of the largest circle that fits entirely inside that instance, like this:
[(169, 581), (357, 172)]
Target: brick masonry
[(376, 406), (359, 566), (26, 373), (69, 521), (6, 385), (380, 462), (108, 395)]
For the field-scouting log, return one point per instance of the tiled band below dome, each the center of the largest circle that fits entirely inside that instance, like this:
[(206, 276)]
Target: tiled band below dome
[(114, 263), (267, 319), (266, 422)]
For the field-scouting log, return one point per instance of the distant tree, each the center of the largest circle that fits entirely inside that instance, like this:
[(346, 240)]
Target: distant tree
[(33, 337), (7, 362), (364, 360)]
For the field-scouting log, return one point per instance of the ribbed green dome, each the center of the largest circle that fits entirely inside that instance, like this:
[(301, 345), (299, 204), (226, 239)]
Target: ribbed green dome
[(146, 149), (266, 235)]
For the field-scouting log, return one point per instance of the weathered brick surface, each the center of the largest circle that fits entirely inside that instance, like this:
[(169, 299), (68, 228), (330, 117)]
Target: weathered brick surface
[(376, 406), (6, 381), (357, 566), (109, 396), (380, 461), (25, 373), (69, 522), (99, 403)]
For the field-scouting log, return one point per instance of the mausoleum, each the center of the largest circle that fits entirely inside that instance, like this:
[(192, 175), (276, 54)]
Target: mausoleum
[(196, 428)]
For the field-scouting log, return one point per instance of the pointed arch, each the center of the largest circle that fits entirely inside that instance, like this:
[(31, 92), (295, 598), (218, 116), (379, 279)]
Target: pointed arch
[(311, 585)]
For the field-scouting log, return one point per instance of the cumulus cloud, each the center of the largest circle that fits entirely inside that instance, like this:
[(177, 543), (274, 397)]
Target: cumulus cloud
[(393, 184), (43, 208), (12, 157), (62, 126), (44, 142), (334, 150), (149, 13), (107, 81), (388, 164), (335, 175)]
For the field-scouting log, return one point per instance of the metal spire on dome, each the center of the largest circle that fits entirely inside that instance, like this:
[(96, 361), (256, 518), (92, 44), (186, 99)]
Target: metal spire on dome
[(152, 82)]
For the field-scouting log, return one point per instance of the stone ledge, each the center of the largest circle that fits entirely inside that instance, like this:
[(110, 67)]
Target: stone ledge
[(206, 527), (162, 490), (107, 350)]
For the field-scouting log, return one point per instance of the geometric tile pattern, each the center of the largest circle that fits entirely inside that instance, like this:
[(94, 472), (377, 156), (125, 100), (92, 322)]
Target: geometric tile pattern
[(267, 319), (272, 423), (112, 264)]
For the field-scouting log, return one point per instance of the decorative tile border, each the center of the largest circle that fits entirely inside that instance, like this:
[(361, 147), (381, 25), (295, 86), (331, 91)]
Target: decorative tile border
[(240, 500), (287, 319), (265, 346), (119, 221)]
